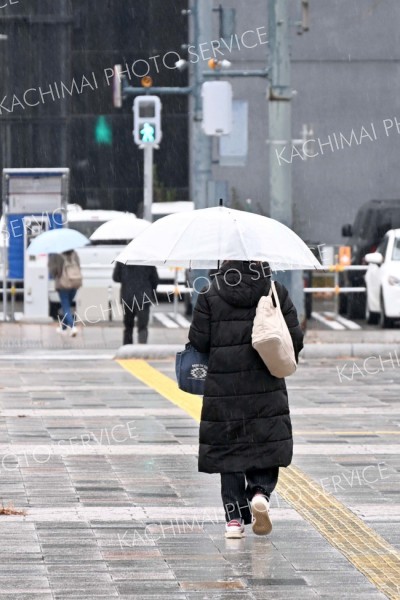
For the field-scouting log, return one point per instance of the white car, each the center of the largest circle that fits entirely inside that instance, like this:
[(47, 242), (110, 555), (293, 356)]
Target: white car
[(87, 221), (383, 281)]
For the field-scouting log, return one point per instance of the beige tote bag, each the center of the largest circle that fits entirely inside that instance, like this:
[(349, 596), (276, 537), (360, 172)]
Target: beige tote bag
[(271, 337)]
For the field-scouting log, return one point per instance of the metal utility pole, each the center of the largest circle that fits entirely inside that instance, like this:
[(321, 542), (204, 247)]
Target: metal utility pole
[(201, 144), (280, 133), (200, 148), (65, 10), (279, 110)]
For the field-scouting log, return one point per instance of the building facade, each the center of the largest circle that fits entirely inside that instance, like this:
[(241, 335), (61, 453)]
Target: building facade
[(346, 88)]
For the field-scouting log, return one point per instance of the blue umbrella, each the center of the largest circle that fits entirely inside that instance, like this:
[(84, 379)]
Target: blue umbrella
[(57, 241)]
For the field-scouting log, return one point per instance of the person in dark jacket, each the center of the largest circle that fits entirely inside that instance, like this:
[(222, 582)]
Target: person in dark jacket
[(245, 429), (138, 286)]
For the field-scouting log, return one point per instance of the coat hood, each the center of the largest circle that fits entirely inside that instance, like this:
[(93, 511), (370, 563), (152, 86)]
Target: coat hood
[(242, 283)]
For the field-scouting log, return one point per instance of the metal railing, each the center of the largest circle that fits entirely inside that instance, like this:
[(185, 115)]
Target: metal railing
[(335, 270), (177, 290)]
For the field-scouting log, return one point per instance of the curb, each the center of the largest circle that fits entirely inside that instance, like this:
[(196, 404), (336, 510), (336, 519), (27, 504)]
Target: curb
[(345, 350), (312, 350), (148, 351)]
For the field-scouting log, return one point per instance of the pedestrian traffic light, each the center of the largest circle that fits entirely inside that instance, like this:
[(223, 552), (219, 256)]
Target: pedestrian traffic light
[(147, 120)]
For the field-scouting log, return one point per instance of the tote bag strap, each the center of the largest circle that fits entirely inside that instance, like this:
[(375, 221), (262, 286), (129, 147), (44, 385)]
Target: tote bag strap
[(275, 294)]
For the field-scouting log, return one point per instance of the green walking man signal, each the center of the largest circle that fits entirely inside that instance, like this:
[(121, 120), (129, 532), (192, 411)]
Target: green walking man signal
[(147, 120), (148, 133)]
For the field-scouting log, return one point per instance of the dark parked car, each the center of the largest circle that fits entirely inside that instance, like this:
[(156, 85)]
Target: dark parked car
[(372, 221)]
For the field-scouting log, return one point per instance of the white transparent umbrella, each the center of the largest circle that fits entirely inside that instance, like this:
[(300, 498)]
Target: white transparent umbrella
[(122, 228), (202, 238)]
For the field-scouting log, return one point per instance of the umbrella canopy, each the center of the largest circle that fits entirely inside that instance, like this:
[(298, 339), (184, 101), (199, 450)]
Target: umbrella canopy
[(201, 238), (56, 241), (122, 228)]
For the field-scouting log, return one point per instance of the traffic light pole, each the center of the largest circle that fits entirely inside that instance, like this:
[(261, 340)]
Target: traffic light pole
[(148, 182)]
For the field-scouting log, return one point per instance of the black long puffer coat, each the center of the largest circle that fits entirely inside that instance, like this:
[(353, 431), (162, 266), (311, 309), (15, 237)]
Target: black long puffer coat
[(245, 419)]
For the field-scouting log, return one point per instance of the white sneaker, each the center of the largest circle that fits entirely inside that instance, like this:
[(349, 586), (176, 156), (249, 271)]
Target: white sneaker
[(61, 331), (234, 530), (261, 524), (73, 331)]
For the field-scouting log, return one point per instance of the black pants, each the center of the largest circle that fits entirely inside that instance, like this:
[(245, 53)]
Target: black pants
[(236, 495), (142, 319)]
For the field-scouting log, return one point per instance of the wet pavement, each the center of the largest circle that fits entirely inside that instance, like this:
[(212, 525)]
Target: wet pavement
[(25, 338), (105, 467)]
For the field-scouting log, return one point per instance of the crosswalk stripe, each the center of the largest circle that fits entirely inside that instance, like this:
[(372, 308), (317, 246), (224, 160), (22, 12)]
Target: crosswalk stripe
[(329, 323), (165, 320), (346, 322), (180, 319)]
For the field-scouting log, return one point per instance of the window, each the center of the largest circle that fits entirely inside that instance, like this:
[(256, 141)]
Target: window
[(396, 249), (85, 227), (383, 246)]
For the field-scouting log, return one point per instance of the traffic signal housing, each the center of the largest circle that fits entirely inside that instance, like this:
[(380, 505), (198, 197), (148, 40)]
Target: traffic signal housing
[(147, 120)]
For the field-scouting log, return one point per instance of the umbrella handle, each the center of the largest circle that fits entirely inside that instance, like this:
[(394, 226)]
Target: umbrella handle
[(221, 203)]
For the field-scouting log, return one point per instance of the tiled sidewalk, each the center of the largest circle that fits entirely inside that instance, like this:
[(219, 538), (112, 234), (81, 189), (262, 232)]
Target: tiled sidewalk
[(115, 508), (25, 338)]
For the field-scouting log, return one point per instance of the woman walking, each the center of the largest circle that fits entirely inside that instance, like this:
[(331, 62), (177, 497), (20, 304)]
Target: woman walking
[(245, 430), (66, 270)]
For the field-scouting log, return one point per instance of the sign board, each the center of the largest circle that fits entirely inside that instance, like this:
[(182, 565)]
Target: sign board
[(30, 183), (22, 204), (217, 107), (40, 194), (233, 147)]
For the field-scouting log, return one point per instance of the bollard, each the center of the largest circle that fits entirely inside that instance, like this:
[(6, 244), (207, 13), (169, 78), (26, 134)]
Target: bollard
[(176, 293), (13, 292)]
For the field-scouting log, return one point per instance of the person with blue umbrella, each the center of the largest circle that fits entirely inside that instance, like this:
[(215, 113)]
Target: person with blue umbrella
[(64, 267)]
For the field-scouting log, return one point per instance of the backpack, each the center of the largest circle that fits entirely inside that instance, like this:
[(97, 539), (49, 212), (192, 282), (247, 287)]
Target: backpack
[(71, 276), (271, 337)]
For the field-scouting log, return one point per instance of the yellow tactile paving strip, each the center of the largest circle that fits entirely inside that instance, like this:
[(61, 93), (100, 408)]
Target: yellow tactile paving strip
[(365, 549), (361, 545), (163, 385)]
